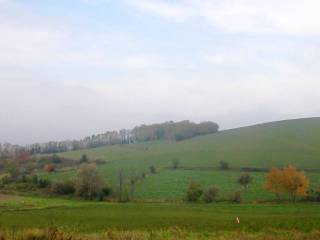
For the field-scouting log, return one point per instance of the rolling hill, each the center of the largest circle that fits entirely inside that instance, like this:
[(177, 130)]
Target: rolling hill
[(276, 144)]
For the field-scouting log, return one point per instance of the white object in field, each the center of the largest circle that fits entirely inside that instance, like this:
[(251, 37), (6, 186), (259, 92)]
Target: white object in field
[(238, 220)]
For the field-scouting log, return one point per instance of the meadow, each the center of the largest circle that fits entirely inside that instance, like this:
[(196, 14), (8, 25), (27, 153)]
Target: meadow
[(277, 144), (158, 210), (18, 213)]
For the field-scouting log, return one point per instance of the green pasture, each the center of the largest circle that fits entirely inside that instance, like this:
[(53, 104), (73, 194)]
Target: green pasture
[(82, 216)]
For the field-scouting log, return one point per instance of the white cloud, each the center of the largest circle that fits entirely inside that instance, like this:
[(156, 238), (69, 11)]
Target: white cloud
[(97, 78), (27, 45), (164, 9), (294, 17)]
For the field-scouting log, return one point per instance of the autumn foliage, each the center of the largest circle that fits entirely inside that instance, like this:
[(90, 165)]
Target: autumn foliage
[(287, 181), (50, 168)]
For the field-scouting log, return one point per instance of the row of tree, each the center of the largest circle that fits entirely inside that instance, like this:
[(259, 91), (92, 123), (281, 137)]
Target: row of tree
[(195, 190), (173, 130), (168, 130), (280, 181)]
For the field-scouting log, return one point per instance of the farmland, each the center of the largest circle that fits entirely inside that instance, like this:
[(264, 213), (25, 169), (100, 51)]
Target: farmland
[(158, 209), (278, 144), (93, 217)]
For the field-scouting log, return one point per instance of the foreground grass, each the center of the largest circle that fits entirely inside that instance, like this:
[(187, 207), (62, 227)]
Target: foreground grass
[(94, 217), (169, 234)]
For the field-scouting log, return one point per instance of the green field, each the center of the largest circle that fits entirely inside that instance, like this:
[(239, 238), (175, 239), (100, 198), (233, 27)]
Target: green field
[(159, 211), (294, 142), (277, 144), (92, 217)]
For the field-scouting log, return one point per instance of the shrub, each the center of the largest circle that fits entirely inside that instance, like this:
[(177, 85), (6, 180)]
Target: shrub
[(43, 183), (107, 191), (175, 163), (84, 158), (224, 165), (65, 187), (5, 179), (153, 169), (236, 197), (24, 179), (210, 194), (35, 179), (194, 192), (244, 180), (143, 175)]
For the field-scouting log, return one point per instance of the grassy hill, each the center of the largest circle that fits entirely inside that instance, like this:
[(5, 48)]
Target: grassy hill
[(295, 142)]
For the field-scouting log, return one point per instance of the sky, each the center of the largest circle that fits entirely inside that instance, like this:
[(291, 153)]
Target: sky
[(73, 68)]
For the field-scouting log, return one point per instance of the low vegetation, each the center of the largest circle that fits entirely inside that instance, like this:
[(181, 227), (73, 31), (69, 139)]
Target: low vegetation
[(169, 234), (210, 194), (194, 192)]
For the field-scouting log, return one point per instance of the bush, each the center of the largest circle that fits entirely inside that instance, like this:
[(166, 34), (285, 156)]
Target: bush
[(153, 169), (175, 163), (43, 183), (5, 179), (35, 179), (84, 159), (210, 194), (66, 187), (313, 195), (244, 180), (224, 165), (106, 191), (236, 197), (194, 192)]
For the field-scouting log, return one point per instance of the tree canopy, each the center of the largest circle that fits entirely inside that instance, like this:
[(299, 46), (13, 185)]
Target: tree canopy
[(287, 180)]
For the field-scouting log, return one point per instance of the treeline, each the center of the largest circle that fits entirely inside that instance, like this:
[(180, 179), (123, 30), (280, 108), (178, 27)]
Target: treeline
[(169, 130), (173, 130)]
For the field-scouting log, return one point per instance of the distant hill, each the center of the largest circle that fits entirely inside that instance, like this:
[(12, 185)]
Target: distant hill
[(161, 131), (265, 145)]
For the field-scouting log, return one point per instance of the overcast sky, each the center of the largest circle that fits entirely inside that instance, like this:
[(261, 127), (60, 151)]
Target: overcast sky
[(73, 68)]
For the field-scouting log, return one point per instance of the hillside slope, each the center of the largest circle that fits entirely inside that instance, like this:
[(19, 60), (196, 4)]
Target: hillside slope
[(281, 143), (295, 142)]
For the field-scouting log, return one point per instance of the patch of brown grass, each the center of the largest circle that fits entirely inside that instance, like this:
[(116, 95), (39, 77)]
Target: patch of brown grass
[(169, 234)]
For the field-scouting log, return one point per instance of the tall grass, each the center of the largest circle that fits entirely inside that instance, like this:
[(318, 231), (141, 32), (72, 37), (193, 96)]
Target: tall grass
[(168, 234)]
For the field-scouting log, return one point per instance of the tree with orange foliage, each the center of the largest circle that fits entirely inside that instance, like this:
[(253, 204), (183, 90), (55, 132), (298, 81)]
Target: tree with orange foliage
[(287, 180), (50, 168)]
